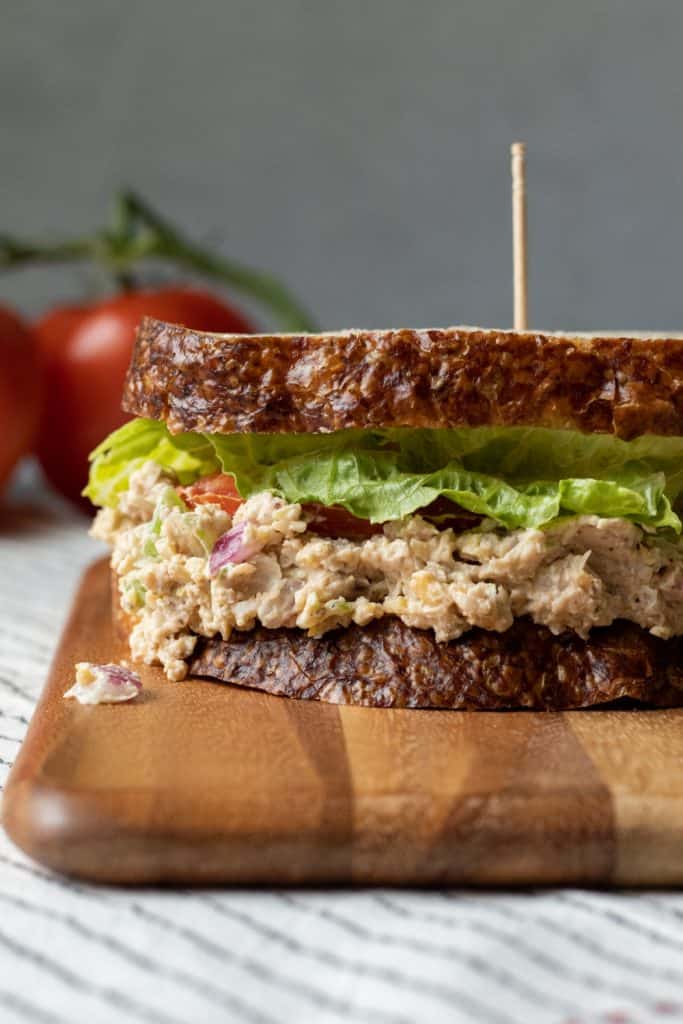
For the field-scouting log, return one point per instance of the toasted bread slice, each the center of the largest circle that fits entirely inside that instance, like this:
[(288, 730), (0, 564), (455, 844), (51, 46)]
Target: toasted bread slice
[(389, 664), (455, 377)]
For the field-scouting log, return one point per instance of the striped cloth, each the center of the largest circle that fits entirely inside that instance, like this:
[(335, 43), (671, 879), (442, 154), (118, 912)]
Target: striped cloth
[(72, 953)]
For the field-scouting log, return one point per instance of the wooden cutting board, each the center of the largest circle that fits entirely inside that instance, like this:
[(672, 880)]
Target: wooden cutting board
[(198, 782)]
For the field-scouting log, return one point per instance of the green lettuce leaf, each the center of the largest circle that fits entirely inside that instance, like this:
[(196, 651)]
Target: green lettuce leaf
[(521, 477), (186, 456)]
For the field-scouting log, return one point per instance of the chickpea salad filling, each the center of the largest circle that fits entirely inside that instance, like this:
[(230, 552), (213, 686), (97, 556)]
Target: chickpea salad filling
[(202, 559)]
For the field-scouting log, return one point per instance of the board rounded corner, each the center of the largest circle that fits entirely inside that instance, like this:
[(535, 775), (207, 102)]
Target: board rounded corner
[(44, 821)]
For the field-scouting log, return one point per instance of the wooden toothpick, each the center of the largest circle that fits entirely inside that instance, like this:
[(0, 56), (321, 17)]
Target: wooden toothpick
[(519, 258)]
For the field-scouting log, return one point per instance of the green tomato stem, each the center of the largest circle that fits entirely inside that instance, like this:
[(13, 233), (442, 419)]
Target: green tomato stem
[(138, 233), (165, 242), (16, 253)]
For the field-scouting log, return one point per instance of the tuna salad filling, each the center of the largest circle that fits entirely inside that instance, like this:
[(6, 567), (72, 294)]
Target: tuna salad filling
[(201, 560)]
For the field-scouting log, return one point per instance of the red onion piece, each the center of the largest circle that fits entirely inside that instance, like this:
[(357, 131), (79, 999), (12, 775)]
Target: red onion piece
[(120, 676), (231, 549)]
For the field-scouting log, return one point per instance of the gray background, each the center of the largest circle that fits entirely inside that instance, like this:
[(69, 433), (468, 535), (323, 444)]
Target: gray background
[(360, 148)]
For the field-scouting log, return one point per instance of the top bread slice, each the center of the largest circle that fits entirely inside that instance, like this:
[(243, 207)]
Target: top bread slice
[(451, 377)]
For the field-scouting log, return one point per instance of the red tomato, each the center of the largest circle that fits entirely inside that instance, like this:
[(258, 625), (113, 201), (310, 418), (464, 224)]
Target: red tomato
[(20, 390), (218, 489), (86, 351), (333, 521), (56, 327), (445, 514)]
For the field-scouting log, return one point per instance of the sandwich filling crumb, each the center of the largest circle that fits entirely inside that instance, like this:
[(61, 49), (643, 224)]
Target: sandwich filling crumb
[(104, 684), (580, 573)]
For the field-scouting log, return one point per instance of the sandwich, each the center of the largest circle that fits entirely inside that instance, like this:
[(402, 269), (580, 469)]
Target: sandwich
[(451, 518)]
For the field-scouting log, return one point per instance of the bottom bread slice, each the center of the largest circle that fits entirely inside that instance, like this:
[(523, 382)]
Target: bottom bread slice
[(389, 664)]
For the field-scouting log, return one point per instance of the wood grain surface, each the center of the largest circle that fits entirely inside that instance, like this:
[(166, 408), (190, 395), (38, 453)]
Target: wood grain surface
[(198, 782)]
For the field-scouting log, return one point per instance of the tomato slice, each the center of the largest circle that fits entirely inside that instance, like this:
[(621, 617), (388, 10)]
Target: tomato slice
[(218, 489), (334, 521), (326, 520), (445, 514)]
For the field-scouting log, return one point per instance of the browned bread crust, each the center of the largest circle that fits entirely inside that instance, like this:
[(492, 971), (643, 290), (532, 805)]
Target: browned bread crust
[(434, 378), (389, 664)]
